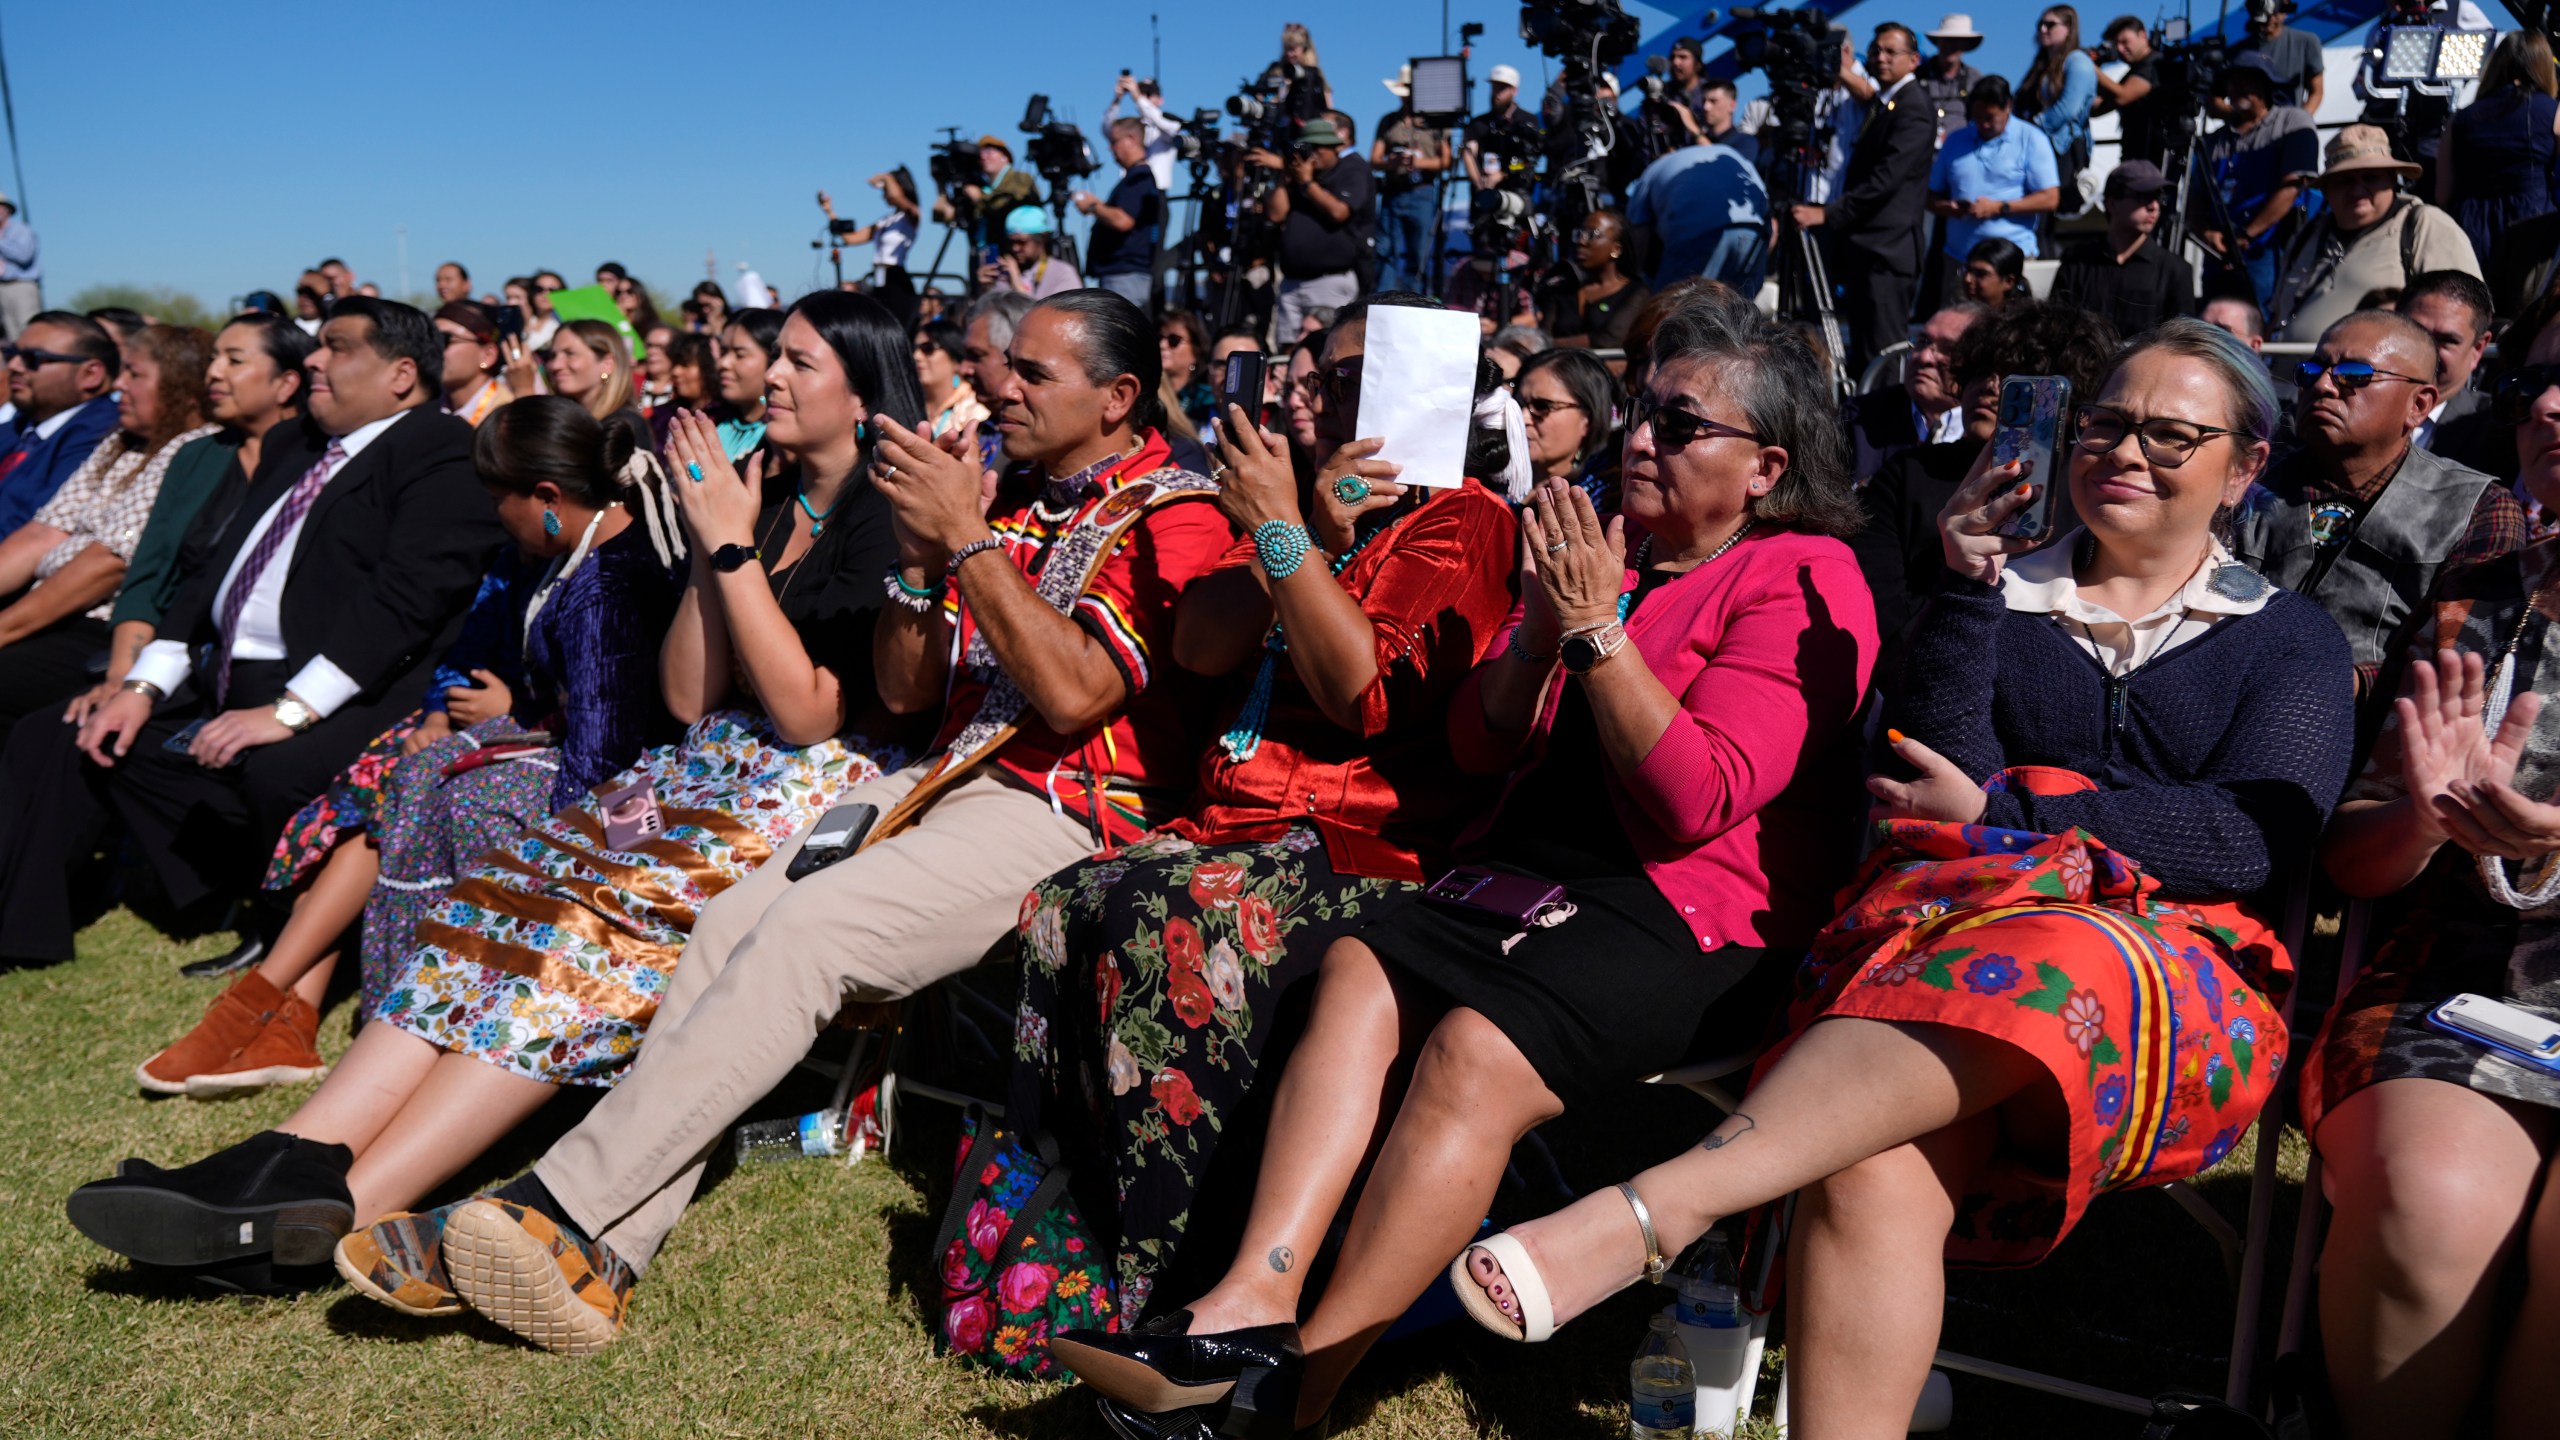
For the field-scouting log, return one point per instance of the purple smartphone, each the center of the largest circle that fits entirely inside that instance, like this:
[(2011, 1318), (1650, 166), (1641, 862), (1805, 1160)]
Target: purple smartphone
[(630, 814), (1516, 898)]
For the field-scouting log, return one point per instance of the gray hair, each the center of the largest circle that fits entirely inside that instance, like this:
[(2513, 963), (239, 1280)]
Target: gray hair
[(1521, 340), (2253, 394), (1002, 310), (1786, 394)]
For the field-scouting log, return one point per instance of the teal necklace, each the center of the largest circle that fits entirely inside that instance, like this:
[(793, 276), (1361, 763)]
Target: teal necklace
[(817, 522), (1244, 739)]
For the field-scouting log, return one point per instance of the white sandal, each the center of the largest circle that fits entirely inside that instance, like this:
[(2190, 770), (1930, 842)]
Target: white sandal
[(1537, 1311)]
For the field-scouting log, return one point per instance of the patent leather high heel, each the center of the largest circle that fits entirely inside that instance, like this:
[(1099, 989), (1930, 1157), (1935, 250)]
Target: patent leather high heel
[(1165, 1369)]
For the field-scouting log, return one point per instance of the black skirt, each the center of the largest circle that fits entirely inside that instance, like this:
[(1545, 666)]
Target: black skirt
[(1618, 992)]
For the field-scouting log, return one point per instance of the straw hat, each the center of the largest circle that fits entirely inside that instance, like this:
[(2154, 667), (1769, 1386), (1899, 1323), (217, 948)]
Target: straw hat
[(1955, 33), (2358, 148)]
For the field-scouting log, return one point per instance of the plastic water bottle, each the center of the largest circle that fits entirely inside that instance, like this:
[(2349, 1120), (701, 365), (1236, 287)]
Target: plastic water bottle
[(818, 1133), (1716, 1334), (1665, 1388)]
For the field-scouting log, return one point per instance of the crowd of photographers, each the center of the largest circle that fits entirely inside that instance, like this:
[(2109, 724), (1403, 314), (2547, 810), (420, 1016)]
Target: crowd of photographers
[(618, 701)]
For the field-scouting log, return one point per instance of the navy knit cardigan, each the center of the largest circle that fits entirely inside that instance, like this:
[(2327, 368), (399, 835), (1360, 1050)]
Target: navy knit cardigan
[(2216, 763)]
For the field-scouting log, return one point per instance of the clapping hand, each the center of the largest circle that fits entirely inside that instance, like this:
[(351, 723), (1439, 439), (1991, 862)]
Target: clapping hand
[(1968, 527), (718, 504), (1579, 565), (1942, 792), (938, 498), (2460, 782)]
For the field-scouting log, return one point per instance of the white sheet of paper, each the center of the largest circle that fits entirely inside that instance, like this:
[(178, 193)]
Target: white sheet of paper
[(1417, 390)]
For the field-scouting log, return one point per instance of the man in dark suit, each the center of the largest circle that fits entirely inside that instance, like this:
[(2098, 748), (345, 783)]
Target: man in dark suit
[(1878, 222), (2455, 310), (313, 624)]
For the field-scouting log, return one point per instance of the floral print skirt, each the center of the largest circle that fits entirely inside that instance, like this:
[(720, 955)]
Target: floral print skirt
[(2149, 1014), (431, 822), (350, 805), (1152, 981), (549, 955)]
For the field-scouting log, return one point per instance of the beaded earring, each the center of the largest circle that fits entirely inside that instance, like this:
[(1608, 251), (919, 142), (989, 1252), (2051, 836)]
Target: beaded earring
[(551, 523), (861, 431)]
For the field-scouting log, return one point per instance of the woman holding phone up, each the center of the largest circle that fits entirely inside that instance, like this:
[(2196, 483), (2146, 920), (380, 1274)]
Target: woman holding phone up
[(2048, 986)]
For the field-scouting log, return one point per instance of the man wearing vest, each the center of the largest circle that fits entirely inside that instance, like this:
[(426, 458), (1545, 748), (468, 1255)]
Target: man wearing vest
[(2359, 518), (1063, 731)]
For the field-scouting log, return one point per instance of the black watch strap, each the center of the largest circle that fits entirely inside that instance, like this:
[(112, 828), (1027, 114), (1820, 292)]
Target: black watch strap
[(731, 557)]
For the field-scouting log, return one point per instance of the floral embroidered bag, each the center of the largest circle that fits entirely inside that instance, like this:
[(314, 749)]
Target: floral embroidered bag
[(1015, 1260)]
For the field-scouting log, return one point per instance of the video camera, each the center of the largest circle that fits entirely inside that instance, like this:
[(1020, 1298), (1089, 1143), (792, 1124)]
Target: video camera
[(954, 163), (1594, 32), (1799, 50), (1057, 149), (1271, 104), (2187, 68)]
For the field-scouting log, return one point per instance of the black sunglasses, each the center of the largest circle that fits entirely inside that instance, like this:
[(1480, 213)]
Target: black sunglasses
[(1539, 410), (37, 358), (1675, 428), (2350, 374), (2513, 400)]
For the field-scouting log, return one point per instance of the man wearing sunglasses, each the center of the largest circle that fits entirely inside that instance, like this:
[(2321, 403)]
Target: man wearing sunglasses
[(60, 367), (2358, 517)]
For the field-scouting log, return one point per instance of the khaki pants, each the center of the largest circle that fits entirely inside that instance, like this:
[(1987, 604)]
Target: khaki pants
[(769, 965), (19, 302)]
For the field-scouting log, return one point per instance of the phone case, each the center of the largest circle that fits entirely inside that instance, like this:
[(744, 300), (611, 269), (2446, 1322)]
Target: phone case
[(1516, 898), (2437, 1018), (838, 833), (2031, 413), (630, 814), (1242, 382)]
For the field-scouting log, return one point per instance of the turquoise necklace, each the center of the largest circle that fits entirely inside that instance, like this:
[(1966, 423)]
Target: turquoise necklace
[(818, 522), (1243, 740)]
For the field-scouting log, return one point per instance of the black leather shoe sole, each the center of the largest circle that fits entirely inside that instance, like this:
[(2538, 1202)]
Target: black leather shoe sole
[(230, 962), (1134, 1382), (164, 1227)]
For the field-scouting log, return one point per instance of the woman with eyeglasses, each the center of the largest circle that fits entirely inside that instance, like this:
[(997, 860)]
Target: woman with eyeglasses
[(1189, 383), (1154, 977), (1995, 272), (2440, 1155), (949, 402), (2048, 986), (1569, 406), (1671, 704), (1591, 305)]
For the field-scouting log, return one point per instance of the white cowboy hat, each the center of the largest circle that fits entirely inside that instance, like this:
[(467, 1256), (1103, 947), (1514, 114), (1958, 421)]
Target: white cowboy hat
[(1956, 32), (1402, 85)]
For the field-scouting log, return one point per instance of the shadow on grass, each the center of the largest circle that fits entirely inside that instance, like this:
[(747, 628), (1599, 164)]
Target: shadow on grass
[(354, 1317)]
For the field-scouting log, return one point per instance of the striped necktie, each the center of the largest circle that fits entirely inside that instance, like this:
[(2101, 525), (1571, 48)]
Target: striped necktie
[(279, 533)]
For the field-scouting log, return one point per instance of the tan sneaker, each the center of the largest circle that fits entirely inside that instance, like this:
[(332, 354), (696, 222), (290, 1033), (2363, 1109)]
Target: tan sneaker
[(233, 1019), (286, 1051)]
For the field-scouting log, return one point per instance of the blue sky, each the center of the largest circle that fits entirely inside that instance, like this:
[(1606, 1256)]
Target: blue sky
[(221, 148)]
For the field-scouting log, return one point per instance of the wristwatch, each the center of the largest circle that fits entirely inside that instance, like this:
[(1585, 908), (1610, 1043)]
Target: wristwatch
[(295, 716), (2004, 207), (730, 557), (1582, 652)]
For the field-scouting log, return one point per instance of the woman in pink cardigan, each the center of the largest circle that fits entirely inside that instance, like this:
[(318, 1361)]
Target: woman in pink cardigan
[(1673, 707)]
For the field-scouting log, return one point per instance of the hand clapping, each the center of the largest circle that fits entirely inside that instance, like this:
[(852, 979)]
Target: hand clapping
[(1579, 564), (2460, 782), (718, 505), (938, 498)]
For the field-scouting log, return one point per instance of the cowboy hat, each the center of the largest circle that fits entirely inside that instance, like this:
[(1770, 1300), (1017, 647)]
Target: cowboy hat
[(1401, 86), (2358, 148), (1955, 33)]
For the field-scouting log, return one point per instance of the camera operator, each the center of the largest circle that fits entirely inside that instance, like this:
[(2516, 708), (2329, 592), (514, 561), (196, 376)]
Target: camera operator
[(1128, 226), (891, 236), (1502, 144), (1878, 221), (1408, 159), (1026, 267), (1161, 130), (2248, 164), (2294, 57), (2142, 136), (1709, 211), (1326, 208), (1945, 77), (1309, 94), (1007, 187)]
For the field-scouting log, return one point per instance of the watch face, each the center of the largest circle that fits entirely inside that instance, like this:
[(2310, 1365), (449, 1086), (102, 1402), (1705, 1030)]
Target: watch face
[(1580, 654)]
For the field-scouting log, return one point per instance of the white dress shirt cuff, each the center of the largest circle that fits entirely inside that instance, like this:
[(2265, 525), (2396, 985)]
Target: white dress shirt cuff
[(322, 686), (163, 663)]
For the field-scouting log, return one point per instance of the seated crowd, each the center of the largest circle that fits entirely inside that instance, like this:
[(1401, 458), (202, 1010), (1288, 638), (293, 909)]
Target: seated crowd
[(1300, 798)]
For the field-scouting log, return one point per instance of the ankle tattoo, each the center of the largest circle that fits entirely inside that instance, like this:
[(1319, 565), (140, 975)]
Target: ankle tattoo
[(1720, 1140), (1281, 1258)]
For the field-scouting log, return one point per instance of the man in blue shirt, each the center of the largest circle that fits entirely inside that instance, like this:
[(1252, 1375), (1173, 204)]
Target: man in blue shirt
[(1121, 256), (61, 368), (21, 274), (1990, 175), (1710, 210)]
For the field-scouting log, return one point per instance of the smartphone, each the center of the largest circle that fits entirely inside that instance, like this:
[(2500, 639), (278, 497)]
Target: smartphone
[(184, 740), (630, 814), (1516, 898), (987, 255), (837, 834), (2516, 1033), (510, 322), (1241, 384), (2031, 411)]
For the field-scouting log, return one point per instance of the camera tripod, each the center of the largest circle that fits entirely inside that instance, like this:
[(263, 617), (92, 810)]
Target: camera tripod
[(1804, 281)]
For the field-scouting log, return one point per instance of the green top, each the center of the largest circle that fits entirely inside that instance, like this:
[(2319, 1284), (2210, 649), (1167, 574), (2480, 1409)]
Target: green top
[(151, 576)]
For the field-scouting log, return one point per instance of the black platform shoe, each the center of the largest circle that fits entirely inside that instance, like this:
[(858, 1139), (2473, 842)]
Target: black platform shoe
[(270, 1195), (1160, 1370)]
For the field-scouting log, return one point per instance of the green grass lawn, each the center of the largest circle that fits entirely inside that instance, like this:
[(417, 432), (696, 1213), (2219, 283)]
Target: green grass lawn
[(786, 1304)]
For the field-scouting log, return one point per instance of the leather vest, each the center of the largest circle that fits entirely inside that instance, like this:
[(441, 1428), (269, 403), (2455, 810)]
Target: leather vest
[(2389, 562)]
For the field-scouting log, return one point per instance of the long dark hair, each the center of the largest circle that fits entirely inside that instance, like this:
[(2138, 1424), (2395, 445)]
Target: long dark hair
[(2042, 84), (552, 437), (762, 326), (873, 347)]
